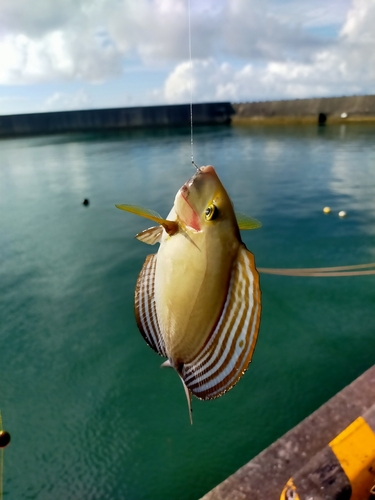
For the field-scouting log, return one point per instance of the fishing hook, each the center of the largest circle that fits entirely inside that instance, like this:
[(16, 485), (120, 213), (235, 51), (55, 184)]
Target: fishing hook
[(195, 165)]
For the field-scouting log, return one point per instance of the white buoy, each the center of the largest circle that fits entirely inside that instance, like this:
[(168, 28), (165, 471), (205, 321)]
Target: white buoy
[(326, 210), (342, 213), (344, 115)]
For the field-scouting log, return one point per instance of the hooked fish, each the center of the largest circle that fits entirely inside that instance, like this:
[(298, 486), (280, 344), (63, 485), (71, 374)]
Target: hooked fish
[(198, 299)]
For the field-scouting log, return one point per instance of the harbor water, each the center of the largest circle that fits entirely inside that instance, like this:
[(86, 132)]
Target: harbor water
[(90, 412)]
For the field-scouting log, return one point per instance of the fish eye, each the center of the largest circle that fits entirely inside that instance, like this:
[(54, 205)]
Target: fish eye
[(211, 212)]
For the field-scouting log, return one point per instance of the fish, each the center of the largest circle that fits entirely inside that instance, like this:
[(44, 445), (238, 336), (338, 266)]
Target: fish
[(198, 299)]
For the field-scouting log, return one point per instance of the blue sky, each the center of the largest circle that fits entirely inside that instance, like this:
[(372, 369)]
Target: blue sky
[(81, 54)]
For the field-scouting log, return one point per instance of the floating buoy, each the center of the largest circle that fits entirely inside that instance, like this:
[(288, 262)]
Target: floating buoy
[(86, 202), (4, 439), (326, 210), (344, 115), (342, 213)]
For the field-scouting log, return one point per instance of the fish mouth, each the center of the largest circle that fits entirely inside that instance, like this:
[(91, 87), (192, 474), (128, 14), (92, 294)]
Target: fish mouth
[(188, 212), (190, 218)]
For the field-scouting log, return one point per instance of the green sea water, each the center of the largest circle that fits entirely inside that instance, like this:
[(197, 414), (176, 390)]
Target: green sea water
[(91, 414)]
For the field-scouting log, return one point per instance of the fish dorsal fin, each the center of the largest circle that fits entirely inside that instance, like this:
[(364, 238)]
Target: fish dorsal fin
[(145, 309), (246, 222), (151, 235), (169, 225), (228, 352)]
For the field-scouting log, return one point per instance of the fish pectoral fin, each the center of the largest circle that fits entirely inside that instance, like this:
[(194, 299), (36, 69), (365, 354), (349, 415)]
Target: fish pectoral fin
[(141, 211), (151, 235), (169, 225), (228, 351), (246, 222), (145, 308)]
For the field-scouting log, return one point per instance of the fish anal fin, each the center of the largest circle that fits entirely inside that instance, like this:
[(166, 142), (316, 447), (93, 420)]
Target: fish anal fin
[(151, 235), (226, 355), (145, 308)]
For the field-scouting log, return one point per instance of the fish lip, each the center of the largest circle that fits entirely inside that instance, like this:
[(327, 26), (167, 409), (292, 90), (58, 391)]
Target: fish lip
[(184, 191), (194, 223), (190, 182)]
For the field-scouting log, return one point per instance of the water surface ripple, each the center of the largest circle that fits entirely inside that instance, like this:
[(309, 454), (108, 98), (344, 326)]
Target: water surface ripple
[(90, 412)]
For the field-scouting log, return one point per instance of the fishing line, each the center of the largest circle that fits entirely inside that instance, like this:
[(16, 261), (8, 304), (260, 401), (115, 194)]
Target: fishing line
[(322, 272), (191, 92)]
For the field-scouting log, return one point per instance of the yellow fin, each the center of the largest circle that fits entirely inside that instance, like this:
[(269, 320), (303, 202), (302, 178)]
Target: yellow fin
[(170, 226), (246, 222)]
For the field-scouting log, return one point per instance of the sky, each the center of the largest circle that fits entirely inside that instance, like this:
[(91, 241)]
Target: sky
[(87, 54)]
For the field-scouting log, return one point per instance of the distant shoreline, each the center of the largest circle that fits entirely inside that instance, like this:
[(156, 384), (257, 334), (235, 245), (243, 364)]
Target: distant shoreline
[(326, 110)]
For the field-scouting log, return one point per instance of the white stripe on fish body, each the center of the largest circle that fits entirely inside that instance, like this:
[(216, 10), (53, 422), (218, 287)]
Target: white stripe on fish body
[(230, 349), (207, 356), (226, 320), (217, 371)]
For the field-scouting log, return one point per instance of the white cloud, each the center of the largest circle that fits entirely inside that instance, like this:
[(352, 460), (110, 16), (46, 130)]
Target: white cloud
[(93, 39), (242, 49), (39, 17), (56, 55), (348, 67)]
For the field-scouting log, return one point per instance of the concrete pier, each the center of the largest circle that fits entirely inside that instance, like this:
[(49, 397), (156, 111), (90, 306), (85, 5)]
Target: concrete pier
[(264, 477)]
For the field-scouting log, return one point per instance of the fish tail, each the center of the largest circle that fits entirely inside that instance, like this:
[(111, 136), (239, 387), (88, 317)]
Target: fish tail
[(188, 398), (168, 364)]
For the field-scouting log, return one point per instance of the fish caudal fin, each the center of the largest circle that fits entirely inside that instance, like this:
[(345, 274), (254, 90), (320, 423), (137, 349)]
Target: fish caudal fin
[(225, 357), (145, 308), (188, 398), (167, 364)]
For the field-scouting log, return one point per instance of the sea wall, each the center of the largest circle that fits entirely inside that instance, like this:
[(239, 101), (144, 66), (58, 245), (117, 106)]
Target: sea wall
[(118, 118), (319, 110), (325, 109)]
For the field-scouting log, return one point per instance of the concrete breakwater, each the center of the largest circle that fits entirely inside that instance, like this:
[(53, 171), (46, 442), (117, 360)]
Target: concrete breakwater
[(117, 118), (318, 110)]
